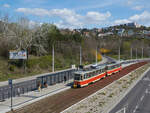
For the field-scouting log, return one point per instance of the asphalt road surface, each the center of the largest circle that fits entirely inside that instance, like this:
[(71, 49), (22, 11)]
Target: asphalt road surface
[(137, 100)]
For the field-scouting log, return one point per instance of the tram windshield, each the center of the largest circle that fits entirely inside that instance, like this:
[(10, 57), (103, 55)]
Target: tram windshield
[(77, 77)]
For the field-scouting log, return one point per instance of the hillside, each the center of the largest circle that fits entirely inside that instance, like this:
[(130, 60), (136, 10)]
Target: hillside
[(39, 40)]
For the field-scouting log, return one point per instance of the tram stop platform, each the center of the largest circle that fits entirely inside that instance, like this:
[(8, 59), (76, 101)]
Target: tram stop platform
[(33, 96)]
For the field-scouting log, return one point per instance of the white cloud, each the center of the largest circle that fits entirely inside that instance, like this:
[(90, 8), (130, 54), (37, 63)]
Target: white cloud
[(6, 5), (96, 17), (122, 21), (68, 18), (142, 19), (35, 11)]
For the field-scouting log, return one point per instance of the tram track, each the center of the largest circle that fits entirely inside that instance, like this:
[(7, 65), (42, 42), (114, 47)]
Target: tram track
[(61, 101)]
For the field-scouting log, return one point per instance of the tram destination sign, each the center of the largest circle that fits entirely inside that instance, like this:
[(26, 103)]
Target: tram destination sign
[(18, 54)]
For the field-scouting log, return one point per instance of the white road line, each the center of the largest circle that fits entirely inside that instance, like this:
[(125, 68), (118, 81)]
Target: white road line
[(146, 91), (135, 109), (142, 97)]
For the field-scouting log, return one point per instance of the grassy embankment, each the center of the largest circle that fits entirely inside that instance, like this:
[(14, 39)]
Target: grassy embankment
[(35, 65)]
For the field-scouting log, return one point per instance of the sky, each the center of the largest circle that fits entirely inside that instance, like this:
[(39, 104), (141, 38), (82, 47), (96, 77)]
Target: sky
[(78, 13)]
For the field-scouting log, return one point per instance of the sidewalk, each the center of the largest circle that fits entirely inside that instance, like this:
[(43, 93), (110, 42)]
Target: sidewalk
[(33, 96)]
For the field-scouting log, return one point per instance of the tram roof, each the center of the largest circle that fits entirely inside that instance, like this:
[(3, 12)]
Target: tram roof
[(88, 71), (114, 63)]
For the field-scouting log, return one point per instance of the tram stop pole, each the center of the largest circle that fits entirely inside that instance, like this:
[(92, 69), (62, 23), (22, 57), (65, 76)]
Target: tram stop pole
[(10, 84)]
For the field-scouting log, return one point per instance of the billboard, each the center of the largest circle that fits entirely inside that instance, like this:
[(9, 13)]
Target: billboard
[(17, 54)]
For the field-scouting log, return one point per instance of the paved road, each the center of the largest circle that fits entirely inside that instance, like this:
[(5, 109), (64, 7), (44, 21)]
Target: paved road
[(138, 99)]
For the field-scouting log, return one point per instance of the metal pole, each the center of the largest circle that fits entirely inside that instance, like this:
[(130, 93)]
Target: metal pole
[(119, 46), (131, 53), (136, 53), (142, 52), (80, 55), (119, 53), (96, 55), (53, 65), (11, 98)]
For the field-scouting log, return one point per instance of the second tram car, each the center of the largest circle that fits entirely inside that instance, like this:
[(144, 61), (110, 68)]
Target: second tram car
[(83, 78), (113, 68)]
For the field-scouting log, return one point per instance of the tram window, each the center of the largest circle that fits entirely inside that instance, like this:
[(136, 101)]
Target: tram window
[(90, 74), (77, 77), (108, 68), (97, 72), (93, 73), (100, 70), (85, 76)]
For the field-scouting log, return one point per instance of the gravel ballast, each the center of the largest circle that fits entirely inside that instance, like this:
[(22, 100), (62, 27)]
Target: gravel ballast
[(102, 100)]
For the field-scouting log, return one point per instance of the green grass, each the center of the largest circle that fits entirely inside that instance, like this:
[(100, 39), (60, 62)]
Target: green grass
[(35, 65)]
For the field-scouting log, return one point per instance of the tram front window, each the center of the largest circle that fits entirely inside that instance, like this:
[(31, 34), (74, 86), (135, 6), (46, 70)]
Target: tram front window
[(77, 77)]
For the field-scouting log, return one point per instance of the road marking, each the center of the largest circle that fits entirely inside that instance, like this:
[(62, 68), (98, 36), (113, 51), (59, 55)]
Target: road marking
[(135, 109), (142, 97), (146, 91), (146, 79)]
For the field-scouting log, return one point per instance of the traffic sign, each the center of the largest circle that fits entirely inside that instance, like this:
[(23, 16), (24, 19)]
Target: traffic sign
[(9, 81)]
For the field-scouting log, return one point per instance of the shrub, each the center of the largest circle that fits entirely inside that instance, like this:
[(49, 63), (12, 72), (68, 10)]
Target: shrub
[(32, 62), (12, 68)]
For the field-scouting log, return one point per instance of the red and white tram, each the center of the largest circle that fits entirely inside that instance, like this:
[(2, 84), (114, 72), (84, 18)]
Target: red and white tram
[(83, 78)]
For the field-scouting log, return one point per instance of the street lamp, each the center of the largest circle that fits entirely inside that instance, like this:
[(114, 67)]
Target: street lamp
[(96, 55), (142, 52), (131, 53), (121, 33), (53, 64), (136, 53), (80, 55)]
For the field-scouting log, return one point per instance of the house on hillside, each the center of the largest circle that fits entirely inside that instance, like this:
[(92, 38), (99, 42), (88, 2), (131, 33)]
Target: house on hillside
[(130, 32), (105, 34), (120, 32), (133, 24), (146, 34)]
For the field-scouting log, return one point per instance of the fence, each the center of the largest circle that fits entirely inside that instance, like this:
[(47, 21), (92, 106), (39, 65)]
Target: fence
[(31, 85)]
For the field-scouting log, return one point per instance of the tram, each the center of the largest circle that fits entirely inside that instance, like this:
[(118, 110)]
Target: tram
[(85, 77)]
